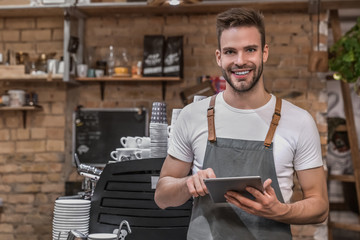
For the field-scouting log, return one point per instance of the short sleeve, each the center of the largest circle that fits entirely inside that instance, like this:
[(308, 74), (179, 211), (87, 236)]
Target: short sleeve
[(180, 145), (308, 151)]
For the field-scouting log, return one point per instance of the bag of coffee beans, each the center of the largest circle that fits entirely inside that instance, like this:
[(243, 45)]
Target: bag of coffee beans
[(173, 58), (153, 55)]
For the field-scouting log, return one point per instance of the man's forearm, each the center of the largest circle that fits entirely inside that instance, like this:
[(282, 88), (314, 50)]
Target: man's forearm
[(171, 192), (307, 211)]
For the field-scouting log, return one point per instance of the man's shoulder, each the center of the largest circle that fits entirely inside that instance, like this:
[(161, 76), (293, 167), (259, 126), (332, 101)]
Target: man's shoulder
[(294, 114), (196, 107), (292, 109)]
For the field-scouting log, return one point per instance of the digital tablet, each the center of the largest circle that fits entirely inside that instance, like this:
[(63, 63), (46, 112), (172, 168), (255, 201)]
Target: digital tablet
[(219, 186)]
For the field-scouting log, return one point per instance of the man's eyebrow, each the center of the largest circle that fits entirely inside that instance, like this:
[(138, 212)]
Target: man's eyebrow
[(228, 48), (252, 46)]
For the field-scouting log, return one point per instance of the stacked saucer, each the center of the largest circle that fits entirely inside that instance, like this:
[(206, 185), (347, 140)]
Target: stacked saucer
[(158, 130), (70, 214), (159, 140)]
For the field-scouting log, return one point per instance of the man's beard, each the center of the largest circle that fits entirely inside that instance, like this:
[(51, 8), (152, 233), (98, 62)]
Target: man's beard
[(252, 83)]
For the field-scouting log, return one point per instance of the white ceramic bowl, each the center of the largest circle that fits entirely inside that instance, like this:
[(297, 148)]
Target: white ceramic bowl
[(102, 236)]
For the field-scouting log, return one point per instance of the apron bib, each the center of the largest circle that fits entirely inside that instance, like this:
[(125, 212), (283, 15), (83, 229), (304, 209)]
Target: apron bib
[(231, 158)]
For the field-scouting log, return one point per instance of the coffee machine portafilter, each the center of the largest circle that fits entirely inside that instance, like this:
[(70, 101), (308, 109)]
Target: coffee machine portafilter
[(91, 174)]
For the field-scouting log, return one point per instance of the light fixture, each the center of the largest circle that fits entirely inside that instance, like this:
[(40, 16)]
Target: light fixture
[(171, 2), (174, 2)]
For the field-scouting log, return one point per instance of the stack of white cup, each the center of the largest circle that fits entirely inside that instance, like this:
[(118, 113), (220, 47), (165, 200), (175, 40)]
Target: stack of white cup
[(134, 148)]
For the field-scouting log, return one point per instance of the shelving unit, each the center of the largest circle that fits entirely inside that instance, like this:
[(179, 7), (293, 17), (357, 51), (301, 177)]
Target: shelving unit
[(24, 110), (102, 81), (353, 141)]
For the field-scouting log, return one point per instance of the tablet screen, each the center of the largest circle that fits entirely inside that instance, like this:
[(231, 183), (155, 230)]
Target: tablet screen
[(219, 186)]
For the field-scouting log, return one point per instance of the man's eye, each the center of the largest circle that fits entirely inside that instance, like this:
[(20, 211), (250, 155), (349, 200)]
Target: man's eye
[(228, 52), (251, 49)]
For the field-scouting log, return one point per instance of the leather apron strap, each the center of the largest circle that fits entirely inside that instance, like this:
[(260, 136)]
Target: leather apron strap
[(211, 121), (274, 123)]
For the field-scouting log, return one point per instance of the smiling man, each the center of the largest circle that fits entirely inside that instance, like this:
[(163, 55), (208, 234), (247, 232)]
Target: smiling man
[(244, 131)]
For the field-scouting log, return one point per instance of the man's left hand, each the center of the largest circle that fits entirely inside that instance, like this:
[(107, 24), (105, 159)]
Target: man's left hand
[(265, 204)]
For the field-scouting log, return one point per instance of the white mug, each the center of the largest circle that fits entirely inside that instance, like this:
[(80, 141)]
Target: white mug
[(124, 154), (129, 142), (99, 73), (143, 142), (82, 70), (145, 153)]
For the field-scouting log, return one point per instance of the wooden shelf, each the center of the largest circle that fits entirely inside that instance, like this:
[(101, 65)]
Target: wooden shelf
[(346, 226), (342, 178), (24, 110), (129, 79), (25, 77), (30, 11)]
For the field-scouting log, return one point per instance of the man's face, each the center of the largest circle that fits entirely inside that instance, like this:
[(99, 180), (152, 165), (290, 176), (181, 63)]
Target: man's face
[(241, 57)]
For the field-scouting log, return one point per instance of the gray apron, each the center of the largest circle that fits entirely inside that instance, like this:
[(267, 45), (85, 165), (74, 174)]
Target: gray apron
[(230, 158)]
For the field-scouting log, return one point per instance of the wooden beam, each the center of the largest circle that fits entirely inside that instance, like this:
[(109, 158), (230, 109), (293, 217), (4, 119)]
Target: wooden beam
[(336, 4), (204, 7)]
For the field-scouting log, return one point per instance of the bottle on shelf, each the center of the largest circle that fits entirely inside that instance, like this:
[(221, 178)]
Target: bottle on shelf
[(111, 61)]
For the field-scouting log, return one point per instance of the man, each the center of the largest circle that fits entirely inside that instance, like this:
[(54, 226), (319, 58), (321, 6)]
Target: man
[(254, 134)]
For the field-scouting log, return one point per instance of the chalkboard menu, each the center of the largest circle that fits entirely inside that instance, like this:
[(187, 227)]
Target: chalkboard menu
[(97, 132)]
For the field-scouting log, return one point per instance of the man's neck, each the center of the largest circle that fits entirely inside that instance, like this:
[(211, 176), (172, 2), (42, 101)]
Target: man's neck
[(252, 99)]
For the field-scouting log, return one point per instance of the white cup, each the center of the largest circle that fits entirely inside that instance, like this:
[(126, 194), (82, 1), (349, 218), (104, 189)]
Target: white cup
[(99, 73), (17, 98), (129, 142), (60, 69), (145, 153), (143, 142), (124, 154), (52, 66), (82, 70)]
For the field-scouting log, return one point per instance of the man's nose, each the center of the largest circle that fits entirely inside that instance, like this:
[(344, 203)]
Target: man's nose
[(239, 59)]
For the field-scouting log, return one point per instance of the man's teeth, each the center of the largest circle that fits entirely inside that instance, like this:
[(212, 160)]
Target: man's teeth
[(242, 73)]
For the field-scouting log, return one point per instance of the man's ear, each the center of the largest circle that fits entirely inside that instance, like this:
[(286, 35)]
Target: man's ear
[(265, 53), (218, 57)]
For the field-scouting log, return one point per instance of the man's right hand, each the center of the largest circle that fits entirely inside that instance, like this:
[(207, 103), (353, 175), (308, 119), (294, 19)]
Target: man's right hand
[(195, 183)]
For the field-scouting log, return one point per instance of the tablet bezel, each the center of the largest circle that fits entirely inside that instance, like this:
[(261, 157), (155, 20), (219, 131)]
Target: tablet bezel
[(219, 186)]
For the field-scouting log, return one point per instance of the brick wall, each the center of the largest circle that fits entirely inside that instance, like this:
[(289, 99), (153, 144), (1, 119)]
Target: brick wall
[(35, 162)]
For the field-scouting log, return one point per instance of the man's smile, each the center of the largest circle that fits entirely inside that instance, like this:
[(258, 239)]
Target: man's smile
[(241, 73)]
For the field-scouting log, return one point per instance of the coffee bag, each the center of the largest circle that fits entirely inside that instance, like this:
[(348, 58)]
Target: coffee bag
[(153, 55)]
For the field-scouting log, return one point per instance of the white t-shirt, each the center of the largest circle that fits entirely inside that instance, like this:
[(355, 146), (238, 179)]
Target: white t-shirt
[(296, 141)]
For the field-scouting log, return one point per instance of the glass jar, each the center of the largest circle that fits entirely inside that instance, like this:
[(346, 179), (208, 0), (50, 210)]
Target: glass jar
[(122, 64)]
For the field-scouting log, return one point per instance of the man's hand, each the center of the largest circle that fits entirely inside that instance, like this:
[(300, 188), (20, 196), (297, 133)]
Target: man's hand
[(265, 204), (195, 183)]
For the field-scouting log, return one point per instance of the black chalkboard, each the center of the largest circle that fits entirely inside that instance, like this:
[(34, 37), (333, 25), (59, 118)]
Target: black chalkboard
[(97, 132)]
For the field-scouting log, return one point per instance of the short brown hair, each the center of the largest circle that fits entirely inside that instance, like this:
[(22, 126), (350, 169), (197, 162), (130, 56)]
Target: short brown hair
[(238, 17)]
